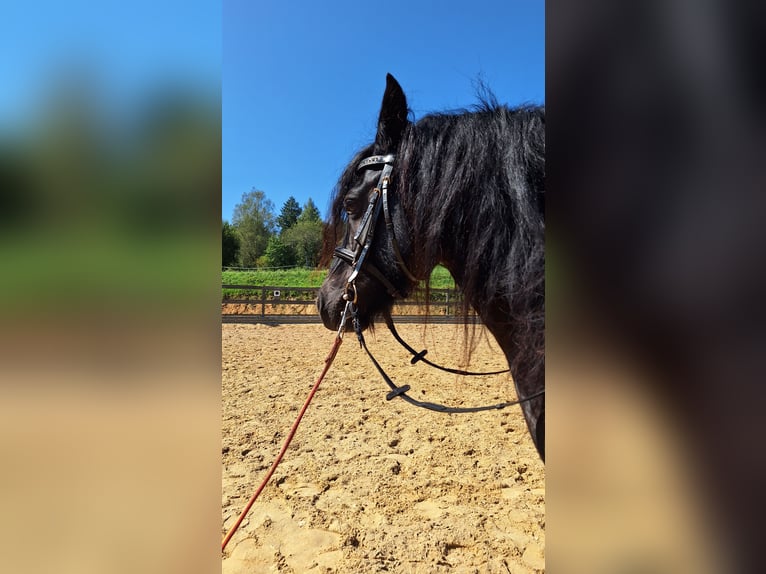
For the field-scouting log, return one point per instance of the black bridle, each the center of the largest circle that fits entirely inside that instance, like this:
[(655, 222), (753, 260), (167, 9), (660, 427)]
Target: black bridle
[(365, 233), (357, 259)]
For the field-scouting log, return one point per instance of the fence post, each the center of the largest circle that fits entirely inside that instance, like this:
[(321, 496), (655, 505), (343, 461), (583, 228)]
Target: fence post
[(263, 302)]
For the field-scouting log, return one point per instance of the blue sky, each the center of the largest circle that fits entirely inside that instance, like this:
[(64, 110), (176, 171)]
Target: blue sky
[(128, 49), (302, 81)]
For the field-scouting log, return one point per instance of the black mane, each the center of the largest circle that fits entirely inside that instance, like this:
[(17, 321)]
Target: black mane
[(473, 179), (480, 177)]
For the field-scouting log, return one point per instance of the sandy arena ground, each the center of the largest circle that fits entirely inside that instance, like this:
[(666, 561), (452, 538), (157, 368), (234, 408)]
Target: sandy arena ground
[(370, 485)]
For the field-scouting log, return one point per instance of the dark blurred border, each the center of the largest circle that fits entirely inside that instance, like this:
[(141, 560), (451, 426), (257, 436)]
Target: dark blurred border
[(656, 143)]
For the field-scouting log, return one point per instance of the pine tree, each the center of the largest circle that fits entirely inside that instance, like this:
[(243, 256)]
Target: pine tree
[(310, 212), (288, 217)]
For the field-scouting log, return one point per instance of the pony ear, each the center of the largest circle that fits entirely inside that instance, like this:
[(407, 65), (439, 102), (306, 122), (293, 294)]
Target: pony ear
[(393, 117)]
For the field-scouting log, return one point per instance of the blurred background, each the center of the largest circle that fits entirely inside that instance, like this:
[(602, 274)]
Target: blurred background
[(110, 170), (109, 157)]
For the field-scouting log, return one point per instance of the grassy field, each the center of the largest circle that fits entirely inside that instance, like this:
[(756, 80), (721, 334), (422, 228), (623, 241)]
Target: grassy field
[(440, 279)]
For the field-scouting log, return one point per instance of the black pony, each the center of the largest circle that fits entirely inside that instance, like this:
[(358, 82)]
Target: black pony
[(463, 189)]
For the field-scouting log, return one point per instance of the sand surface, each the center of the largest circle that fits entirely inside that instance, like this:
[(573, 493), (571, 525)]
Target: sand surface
[(370, 485)]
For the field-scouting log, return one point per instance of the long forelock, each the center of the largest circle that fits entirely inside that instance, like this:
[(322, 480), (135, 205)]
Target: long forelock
[(335, 227)]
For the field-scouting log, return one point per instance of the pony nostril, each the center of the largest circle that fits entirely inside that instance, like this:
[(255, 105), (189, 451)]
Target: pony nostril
[(329, 310)]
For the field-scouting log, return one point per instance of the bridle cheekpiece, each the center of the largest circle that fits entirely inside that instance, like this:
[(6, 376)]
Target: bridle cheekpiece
[(363, 237)]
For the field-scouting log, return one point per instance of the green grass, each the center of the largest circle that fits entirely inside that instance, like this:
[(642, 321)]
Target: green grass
[(275, 277), (440, 279)]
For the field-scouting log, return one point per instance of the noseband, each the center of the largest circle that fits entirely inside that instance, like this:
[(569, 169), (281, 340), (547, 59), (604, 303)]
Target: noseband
[(364, 234)]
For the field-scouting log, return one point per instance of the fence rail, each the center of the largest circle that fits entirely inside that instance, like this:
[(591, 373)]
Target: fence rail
[(279, 304)]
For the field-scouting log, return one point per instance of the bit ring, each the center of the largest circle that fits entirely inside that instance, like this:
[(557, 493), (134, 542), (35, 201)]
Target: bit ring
[(346, 296)]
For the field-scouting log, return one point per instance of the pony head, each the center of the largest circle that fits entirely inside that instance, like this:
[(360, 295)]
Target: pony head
[(367, 233)]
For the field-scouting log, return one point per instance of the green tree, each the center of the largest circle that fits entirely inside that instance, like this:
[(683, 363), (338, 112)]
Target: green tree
[(278, 254), (254, 220), (229, 244), (310, 212), (305, 237), (288, 217)]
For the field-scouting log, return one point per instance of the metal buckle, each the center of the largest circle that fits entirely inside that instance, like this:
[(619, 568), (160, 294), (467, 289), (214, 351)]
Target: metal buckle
[(351, 285)]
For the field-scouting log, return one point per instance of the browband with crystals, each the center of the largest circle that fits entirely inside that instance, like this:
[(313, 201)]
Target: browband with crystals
[(376, 160)]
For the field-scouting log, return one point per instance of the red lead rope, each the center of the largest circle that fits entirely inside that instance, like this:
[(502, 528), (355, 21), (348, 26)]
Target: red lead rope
[(328, 361)]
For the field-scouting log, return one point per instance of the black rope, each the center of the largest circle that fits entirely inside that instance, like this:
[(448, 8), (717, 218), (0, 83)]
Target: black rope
[(420, 356), (397, 391)]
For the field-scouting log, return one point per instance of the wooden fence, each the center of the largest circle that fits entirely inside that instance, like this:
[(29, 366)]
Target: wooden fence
[(276, 304)]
